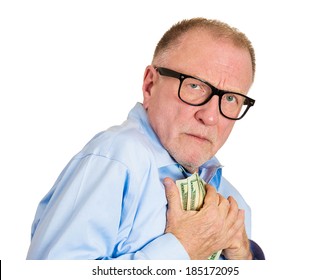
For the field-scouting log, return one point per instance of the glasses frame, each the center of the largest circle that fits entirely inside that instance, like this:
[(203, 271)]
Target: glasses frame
[(215, 91)]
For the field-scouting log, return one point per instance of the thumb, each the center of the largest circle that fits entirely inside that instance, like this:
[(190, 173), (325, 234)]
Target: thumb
[(172, 194)]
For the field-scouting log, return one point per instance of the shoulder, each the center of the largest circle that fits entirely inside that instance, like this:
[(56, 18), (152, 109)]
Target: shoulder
[(126, 143)]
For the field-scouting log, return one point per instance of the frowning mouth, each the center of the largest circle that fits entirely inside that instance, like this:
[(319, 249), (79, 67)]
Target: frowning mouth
[(197, 137)]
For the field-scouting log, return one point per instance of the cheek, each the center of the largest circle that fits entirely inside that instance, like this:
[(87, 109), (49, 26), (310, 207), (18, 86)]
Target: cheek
[(163, 122), (224, 132)]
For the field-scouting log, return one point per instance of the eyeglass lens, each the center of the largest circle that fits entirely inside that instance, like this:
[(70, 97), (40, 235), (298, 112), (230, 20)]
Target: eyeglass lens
[(196, 92)]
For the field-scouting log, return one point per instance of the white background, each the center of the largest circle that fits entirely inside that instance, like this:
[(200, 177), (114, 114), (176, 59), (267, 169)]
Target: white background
[(69, 69)]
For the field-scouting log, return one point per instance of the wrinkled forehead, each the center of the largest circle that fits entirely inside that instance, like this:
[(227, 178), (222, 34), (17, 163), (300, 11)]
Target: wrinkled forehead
[(200, 47), (212, 59)]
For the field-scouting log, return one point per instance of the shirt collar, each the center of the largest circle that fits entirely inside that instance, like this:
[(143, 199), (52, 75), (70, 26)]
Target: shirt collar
[(162, 157)]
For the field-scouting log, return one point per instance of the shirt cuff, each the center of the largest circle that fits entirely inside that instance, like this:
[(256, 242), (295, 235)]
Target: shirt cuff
[(165, 247)]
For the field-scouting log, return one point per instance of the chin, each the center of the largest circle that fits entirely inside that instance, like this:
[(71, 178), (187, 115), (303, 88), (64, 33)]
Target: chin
[(190, 158), (192, 165)]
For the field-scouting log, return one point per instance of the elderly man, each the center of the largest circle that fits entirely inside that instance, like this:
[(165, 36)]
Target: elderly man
[(117, 198)]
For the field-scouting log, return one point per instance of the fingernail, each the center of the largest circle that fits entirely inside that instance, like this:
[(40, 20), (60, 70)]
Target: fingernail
[(167, 182)]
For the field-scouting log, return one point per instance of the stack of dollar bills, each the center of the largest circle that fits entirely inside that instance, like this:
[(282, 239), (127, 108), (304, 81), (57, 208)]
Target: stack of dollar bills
[(192, 191)]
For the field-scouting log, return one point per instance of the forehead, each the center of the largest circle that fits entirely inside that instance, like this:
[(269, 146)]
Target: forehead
[(201, 54)]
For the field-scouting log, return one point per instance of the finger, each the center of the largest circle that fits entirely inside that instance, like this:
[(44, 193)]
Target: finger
[(211, 196), (236, 213), (235, 216), (234, 208), (172, 195), (238, 225), (223, 206), (231, 210), (240, 219)]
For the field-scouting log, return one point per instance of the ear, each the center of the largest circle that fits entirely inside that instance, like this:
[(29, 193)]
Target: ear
[(150, 76)]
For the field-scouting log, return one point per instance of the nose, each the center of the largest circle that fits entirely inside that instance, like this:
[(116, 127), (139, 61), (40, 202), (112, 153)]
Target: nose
[(208, 114)]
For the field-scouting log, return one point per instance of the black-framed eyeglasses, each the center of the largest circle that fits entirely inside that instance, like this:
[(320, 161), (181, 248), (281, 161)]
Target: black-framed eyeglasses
[(197, 92)]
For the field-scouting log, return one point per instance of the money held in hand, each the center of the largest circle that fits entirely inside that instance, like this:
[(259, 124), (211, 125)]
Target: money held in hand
[(192, 191)]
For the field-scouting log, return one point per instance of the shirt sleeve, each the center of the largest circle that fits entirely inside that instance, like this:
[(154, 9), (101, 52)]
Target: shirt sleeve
[(256, 251), (164, 247), (80, 217)]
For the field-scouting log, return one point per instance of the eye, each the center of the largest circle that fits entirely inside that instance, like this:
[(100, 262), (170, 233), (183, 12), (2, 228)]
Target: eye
[(195, 86), (230, 98), (194, 91)]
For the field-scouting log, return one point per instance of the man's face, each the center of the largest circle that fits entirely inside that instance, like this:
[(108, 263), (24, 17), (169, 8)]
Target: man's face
[(194, 134)]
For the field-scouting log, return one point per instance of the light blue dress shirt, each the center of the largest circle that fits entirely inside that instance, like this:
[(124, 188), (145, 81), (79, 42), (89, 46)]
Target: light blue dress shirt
[(109, 202)]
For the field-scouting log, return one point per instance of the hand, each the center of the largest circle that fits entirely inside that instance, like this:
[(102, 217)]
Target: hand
[(238, 248), (218, 225)]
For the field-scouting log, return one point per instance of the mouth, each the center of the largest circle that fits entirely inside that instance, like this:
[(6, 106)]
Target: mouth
[(199, 138)]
